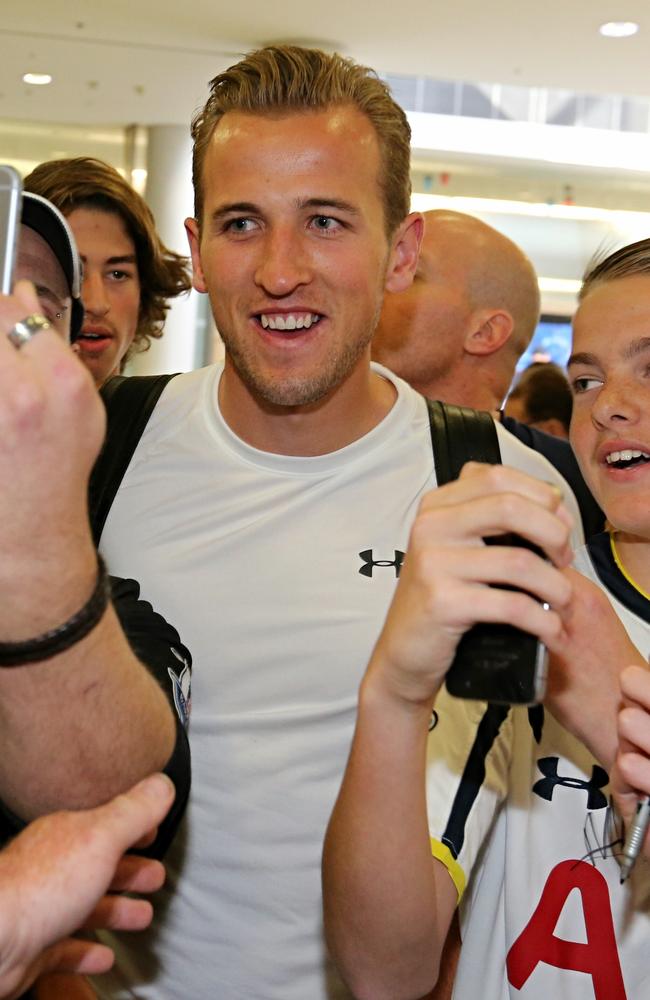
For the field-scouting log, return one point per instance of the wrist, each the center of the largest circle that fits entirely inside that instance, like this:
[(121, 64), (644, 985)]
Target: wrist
[(398, 690), (64, 634)]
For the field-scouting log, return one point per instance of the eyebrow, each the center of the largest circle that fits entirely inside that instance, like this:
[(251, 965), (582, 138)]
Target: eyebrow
[(129, 258), (636, 347), (631, 350), (582, 359)]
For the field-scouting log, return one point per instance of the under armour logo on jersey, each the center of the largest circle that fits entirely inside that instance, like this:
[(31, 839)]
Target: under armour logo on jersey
[(369, 563), (546, 786)]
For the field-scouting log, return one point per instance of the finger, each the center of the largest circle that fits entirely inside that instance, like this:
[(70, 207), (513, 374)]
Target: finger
[(496, 606), (634, 768), (126, 818), (634, 726), (75, 955), (147, 840), (635, 685), (509, 567), (120, 913), (63, 986), (492, 515), (135, 874), (22, 302), (477, 479)]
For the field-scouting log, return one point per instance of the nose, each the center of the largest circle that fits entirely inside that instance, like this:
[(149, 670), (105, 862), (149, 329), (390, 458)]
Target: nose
[(93, 294), (616, 404), (283, 264)]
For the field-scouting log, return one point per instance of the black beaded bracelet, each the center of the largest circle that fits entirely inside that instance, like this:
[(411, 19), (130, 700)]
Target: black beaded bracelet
[(15, 654)]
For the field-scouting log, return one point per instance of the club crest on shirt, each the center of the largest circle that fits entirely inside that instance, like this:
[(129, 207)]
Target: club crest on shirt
[(182, 689)]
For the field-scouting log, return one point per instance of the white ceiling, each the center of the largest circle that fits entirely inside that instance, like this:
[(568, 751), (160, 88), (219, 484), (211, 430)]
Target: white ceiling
[(148, 61)]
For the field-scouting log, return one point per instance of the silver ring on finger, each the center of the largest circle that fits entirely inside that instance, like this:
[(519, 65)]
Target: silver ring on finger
[(26, 328)]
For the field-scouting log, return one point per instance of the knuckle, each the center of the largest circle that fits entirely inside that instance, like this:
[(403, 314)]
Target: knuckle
[(508, 506), (24, 403), (522, 562)]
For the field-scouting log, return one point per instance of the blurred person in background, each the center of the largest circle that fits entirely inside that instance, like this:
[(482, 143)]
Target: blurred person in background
[(541, 398), (457, 333), (129, 275)]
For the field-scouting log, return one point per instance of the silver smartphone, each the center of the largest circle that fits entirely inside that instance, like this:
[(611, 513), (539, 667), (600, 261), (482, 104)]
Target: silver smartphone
[(10, 207)]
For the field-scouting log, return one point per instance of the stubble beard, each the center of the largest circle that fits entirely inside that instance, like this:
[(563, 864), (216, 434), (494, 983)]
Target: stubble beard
[(294, 390)]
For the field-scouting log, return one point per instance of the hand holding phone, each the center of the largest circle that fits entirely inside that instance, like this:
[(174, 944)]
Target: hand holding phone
[(497, 662)]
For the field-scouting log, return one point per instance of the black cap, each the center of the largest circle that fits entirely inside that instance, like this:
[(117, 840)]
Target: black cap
[(43, 217)]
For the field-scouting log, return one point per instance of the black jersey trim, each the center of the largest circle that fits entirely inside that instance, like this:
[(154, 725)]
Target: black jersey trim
[(473, 777), (602, 559)]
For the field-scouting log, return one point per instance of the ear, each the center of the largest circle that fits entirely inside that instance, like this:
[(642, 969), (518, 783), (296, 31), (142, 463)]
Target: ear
[(405, 247), (198, 279), (489, 330)]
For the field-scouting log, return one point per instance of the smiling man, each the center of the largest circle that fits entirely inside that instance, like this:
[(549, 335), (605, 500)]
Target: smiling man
[(254, 496)]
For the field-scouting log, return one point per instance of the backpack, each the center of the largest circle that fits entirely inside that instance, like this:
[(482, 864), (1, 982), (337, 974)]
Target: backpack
[(458, 435)]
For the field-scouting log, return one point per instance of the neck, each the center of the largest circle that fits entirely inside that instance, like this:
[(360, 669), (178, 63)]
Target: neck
[(634, 553), (342, 416), (462, 391)]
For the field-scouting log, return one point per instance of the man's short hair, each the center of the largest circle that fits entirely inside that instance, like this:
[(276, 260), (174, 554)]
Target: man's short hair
[(629, 260), (84, 182), (287, 78)]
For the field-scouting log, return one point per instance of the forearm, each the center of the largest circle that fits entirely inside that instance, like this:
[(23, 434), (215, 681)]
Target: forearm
[(385, 915), (82, 726)]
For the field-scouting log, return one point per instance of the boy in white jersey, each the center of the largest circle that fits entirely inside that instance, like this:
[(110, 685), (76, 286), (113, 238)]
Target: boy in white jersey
[(517, 812), (609, 369)]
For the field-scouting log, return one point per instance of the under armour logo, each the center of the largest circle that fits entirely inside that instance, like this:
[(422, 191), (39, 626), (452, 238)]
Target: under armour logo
[(369, 563), (545, 787)]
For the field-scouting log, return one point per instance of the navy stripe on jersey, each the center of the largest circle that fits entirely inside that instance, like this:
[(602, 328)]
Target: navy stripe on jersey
[(602, 558), (473, 777)]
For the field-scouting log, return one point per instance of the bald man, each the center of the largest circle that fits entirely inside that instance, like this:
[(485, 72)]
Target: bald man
[(457, 332)]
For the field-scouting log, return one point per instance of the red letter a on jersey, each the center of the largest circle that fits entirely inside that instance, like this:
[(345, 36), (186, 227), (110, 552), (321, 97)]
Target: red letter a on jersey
[(597, 958)]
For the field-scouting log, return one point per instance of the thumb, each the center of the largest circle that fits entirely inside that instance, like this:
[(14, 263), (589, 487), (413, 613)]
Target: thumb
[(131, 815), (25, 292)]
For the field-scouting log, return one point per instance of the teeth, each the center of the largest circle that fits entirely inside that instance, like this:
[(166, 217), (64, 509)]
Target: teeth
[(287, 321), (625, 456)]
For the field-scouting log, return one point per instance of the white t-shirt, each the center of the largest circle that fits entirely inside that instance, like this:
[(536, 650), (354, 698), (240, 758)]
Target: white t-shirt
[(530, 829), (277, 571)]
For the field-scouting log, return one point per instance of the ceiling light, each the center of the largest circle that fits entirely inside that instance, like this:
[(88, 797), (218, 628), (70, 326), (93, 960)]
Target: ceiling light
[(37, 79), (619, 29)]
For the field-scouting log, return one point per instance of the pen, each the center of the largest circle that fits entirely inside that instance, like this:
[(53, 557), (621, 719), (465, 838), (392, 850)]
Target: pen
[(635, 837)]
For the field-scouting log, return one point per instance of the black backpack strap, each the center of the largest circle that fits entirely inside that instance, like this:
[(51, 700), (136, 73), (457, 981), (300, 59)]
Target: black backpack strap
[(459, 435), (129, 404)]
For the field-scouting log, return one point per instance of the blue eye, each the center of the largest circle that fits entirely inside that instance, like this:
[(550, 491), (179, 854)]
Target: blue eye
[(325, 223), (239, 225)]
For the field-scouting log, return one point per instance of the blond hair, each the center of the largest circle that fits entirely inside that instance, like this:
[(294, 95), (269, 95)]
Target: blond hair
[(632, 259), (289, 78)]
